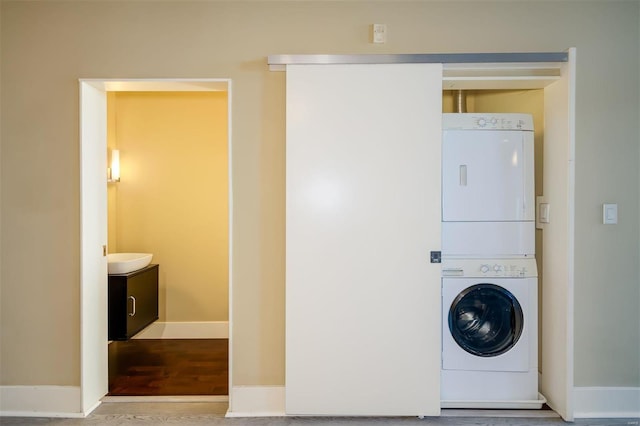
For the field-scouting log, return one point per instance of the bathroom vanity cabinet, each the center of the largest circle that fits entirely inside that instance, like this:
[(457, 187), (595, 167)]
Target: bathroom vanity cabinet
[(132, 302)]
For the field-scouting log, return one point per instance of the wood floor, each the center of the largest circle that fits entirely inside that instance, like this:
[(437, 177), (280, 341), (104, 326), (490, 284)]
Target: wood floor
[(163, 367)]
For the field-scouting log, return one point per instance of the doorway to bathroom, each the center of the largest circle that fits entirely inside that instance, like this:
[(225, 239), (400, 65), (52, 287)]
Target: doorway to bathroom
[(172, 200)]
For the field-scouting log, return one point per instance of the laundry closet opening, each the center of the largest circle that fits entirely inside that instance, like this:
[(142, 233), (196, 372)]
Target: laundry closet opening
[(524, 101), (172, 201)]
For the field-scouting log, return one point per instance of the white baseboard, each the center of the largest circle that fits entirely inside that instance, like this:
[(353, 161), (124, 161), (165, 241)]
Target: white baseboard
[(256, 401), (606, 402), (40, 401), (186, 330)]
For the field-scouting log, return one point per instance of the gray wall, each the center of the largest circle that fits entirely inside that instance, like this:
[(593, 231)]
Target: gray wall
[(48, 45)]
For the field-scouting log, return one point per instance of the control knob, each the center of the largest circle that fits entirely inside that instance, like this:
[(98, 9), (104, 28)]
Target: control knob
[(484, 269)]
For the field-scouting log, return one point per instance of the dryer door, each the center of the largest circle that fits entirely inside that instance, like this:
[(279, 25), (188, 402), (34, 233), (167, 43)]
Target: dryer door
[(486, 320), (487, 176)]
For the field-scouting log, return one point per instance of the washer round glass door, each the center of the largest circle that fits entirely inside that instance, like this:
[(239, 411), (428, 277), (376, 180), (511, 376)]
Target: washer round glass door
[(486, 320)]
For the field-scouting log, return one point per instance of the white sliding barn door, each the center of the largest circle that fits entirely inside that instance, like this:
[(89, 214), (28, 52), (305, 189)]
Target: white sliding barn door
[(363, 213)]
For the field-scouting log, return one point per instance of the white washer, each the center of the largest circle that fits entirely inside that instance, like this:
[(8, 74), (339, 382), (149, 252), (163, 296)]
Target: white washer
[(489, 333), (488, 202)]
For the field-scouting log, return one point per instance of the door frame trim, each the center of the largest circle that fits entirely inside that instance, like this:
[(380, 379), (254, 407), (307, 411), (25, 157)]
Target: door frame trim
[(91, 381)]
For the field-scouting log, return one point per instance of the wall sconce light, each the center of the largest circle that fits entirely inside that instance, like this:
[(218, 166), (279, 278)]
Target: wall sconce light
[(113, 172)]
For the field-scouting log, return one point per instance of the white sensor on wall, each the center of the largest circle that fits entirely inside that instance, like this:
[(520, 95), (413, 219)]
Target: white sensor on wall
[(378, 33)]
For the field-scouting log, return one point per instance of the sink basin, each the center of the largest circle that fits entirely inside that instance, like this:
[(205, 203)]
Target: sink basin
[(123, 263)]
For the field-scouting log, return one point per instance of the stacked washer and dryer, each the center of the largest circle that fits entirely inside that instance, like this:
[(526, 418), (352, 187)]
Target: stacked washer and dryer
[(489, 272)]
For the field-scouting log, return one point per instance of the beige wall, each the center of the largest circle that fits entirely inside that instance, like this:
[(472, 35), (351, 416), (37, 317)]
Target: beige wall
[(48, 45), (172, 199)]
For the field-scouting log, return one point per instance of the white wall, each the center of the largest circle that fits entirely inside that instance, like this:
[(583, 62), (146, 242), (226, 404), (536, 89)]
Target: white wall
[(47, 46)]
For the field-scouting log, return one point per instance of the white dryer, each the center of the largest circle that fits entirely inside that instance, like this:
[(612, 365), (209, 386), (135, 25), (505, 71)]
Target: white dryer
[(488, 200), (489, 333)]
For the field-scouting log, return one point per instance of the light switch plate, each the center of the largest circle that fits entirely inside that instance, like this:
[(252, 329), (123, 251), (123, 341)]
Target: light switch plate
[(609, 214), (542, 212), (378, 33)]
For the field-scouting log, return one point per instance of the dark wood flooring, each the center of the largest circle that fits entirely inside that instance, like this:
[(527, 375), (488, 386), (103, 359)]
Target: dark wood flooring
[(163, 367)]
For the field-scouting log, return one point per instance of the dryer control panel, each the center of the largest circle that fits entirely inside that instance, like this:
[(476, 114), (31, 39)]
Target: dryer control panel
[(483, 121), (475, 268)]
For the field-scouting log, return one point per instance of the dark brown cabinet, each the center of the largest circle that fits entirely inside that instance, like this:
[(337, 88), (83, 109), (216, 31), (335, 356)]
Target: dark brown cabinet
[(133, 302)]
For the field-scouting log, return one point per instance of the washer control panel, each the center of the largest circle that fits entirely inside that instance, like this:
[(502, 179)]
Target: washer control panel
[(508, 268), (480, 121)]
